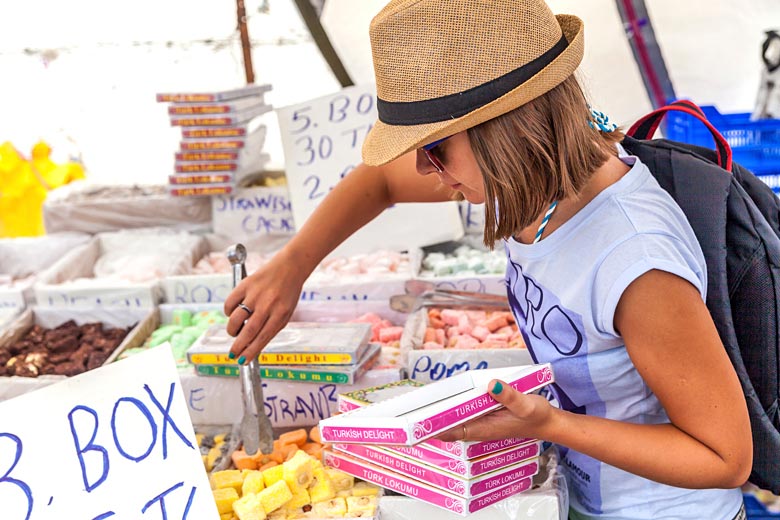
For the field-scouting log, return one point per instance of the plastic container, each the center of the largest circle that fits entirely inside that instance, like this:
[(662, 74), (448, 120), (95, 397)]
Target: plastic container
[(755, 144), (756, 511)]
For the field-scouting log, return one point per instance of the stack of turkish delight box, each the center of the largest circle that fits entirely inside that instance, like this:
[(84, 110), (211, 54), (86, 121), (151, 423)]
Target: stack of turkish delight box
[(221, 138), (386, 435)]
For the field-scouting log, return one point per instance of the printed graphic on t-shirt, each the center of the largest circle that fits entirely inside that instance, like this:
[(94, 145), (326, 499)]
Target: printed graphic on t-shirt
[(556, 335)]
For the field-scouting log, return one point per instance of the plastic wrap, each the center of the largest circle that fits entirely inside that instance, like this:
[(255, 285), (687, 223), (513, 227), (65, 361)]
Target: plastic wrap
[(21, 259), (548, 499), (91, 208), (92, 275)]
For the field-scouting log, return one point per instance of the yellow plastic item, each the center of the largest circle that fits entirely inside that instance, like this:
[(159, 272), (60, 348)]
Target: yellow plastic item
[(24, 184)]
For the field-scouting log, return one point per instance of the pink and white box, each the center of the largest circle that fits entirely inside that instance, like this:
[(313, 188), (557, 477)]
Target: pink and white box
[(437, 477), (470, 468), (413, 488), (435, 448), (428, 411)]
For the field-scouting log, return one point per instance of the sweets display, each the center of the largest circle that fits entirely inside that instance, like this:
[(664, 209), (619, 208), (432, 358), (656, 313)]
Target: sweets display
[(185, 329), (464, 261), (449, 328), (68, 349), (8, 282), (290, 483), (387, 335), (335, 270)]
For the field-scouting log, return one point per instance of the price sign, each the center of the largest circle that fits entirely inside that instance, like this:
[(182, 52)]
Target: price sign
[(322, 141), (116, 442)]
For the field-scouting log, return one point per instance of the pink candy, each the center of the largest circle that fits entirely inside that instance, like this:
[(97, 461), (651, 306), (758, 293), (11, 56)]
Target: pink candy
[(452, 328)]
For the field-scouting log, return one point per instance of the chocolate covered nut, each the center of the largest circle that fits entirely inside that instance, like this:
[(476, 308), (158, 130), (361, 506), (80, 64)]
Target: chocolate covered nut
[(60, 357), (68, 369), (36, 358), (96, 359), (94, 329), (26, 370)]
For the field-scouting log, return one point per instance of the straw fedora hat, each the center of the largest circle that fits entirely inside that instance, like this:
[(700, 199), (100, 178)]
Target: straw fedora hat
[(443, 66)]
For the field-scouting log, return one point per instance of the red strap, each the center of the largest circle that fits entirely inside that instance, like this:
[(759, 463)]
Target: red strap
[(646, 127)]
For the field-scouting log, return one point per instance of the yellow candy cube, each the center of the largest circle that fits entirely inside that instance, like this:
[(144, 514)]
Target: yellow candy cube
[(321, 488), (344, 493), (273, 475), (298, 500), (227, 478), (332, 507), (253, 482), (363, 489), (297, 472), (365, 504), (249, 507), (211, 458), (226, 516), (275, 496), (224, 499), (341, 480)]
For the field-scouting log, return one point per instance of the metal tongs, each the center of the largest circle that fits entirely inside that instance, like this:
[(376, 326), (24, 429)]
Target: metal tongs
[(421, 294), (256, 431)]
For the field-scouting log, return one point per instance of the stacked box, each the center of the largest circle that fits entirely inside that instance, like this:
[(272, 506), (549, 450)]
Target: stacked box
[(338, 353), (459, 476), (221, 140)]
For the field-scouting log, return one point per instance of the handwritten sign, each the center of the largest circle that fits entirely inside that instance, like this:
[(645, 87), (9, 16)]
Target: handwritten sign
[(115, 442), (428, 366), (212, 400), (473, 217), (252, 212), (322, 142)]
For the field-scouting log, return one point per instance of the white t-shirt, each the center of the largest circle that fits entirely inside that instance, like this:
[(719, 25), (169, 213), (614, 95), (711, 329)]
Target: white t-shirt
[(564, 290)]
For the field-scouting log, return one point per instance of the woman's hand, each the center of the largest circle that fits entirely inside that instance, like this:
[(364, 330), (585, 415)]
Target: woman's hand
[(261, 305), (523, 415)]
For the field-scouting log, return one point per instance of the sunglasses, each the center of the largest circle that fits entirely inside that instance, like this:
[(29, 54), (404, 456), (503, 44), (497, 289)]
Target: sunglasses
[(430, 152)]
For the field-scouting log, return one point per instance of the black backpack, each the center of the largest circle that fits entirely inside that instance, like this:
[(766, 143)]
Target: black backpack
[(736, 218)]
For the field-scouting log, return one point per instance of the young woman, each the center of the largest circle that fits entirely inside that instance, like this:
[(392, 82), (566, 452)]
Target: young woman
[(605, 276)]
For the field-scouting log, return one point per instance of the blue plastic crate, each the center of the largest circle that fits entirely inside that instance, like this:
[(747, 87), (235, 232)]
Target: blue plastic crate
[(756, 144), (756, 511)]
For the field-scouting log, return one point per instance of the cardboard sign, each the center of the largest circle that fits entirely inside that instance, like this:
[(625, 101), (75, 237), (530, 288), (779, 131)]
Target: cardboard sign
[(252, 212), (115, 442), (473, 217), (322, 140)]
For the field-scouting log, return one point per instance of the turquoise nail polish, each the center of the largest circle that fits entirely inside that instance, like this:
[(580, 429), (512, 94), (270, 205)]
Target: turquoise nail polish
[(241, 360), (497, 388), (232, 356)]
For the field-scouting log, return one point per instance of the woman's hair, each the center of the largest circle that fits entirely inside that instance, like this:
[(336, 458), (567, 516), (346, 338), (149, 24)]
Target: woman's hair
[(540, 152)]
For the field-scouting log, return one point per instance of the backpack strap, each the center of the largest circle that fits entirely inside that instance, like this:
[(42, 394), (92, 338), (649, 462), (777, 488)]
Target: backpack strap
[(646, 127)]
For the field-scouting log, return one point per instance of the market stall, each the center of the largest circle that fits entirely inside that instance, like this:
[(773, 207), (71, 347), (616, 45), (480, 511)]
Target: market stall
[(115, 365)]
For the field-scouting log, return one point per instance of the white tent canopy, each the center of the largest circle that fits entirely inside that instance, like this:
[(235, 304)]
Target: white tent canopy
[(83, 75)]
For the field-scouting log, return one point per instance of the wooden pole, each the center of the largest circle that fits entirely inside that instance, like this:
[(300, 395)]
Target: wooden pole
[(246, 44)]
